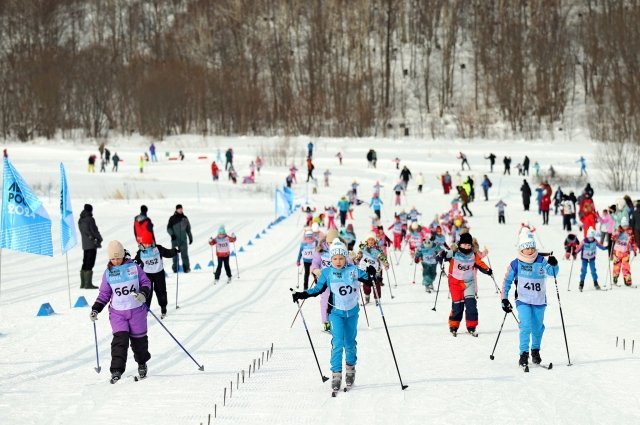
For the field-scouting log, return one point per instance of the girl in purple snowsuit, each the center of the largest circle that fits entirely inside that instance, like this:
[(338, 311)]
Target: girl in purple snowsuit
[(125, 287)]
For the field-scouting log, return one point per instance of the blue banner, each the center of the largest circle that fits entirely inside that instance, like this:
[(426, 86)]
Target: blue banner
[(67, 224), (25, 224), (282, 206)]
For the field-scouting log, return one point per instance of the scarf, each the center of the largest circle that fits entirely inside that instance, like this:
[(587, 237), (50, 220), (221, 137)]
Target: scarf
[(529, 259)]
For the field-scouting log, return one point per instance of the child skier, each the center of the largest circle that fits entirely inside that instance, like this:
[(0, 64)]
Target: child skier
[(149, 256), (623, 243), (427, 253), (331, 212), (376, 204), (125, 287), (223, 249), (462, 283), (370, 254), (348, 236), (414, 238), (531, 295), (307, 246), (397, 233), (341, 280), (501, 205), (571, 243), (588, 250)]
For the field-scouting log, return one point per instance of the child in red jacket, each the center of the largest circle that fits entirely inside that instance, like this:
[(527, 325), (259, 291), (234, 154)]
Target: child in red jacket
[(223, 249)]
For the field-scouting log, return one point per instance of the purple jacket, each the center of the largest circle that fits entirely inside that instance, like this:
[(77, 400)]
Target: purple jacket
[(105, 294)]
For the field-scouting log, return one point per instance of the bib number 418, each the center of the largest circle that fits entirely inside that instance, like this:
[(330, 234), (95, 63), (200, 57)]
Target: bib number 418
[(532, 286)]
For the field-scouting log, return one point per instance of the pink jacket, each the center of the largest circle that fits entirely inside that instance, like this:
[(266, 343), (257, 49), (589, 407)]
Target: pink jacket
[(606, 223)]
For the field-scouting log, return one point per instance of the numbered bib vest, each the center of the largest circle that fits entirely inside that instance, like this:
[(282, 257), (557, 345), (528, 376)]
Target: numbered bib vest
[(439, 240), (152, 261), (222, 245), (414, 215), (403, 218), (589, 250), (325, 259), (428, 256), (463, 266), (397, 227), (307, 251), (123, 280), (369, 258), (532, 288), (415, 239), (622, 243), (344, 287)]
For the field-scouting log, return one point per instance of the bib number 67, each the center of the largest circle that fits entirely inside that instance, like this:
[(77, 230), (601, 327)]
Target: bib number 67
[(344, 290)]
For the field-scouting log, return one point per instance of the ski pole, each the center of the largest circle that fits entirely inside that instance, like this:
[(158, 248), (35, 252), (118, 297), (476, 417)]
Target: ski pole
[(298, 284), (177, 279), (564, 331), (296, 316), (494, 281), (213, 269), (514, 315), (95, 337), (570, 273), (236, 256), (393, 271), (304, 322), (415, 267), (498, 337), (200, 367), (401, 252), (438, 290), (364, 307), (389, 285), (375, 291)]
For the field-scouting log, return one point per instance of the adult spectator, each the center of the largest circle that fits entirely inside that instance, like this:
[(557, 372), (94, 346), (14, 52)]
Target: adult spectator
[(179, 229), (526, 194), (91, 241)]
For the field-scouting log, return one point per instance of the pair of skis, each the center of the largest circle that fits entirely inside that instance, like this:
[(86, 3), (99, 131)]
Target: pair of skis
[(549, 366)]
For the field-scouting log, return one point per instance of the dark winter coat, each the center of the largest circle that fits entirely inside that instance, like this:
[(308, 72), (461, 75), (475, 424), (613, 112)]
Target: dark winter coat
[(526, 192), (179, 229), (91, 237), (405, 174)]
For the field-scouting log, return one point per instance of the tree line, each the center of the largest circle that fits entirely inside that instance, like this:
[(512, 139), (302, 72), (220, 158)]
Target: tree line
[(330, 67)]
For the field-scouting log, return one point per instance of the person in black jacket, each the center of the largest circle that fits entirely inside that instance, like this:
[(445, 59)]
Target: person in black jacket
[(507, 165), (179, 229), (91, 241), (525, 166), (526, 194), (492, 160), (405, 175)]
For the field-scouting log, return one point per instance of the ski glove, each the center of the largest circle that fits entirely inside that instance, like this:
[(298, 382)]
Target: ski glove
[(139, 296), (173, 237), (299, 296), (506, 306), (552, 261), (417, 260), (93, 316)]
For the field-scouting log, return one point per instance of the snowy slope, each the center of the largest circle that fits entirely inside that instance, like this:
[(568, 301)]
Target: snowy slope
[(47, 365)]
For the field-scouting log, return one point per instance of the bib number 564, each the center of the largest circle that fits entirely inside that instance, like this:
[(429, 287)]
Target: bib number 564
[(124, 291)]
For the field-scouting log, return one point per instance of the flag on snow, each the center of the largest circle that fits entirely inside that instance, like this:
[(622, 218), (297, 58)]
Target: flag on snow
[(25, 224), (67, 224), (282, 204)]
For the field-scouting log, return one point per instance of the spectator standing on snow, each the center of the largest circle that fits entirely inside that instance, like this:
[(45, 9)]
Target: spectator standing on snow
[(310, 168), (526, 194), (445, 179), (152, 151), (501, 206), (179, 229), (420, 182), (116, 161), (525, 166), (228, 156), (310, 149), (492, 160), (463, 160), (214, 171), (507, 165), (91, 241), (486, 184)]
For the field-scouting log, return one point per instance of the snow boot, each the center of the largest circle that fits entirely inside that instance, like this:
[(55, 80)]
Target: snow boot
[(535, 356), (88, 277), (83, 280), (581, 285), (336, 381), (229, 279), (454, 331), (472, 331), (366, 299), (524, 359), (215, 282), (115, 376), (142, 371), (595, 284), (350, 376)]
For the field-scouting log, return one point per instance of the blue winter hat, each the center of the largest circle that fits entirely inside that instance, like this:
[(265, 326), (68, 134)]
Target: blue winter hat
[(221, 230)]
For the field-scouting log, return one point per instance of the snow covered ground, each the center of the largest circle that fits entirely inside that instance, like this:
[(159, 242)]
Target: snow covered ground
[(47, 371)]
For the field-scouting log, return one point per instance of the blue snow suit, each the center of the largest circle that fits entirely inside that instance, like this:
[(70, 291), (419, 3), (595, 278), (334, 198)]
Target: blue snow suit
[(588, 256), (343, 310), (531, 297)]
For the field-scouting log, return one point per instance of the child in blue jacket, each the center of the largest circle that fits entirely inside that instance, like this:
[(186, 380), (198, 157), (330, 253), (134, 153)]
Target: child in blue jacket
[(342, 280), (529, 270), (305, 253), (588, 248)]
